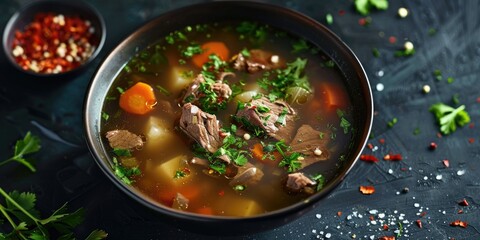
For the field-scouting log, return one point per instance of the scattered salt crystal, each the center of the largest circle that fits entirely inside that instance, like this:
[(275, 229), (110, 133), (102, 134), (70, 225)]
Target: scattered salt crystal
[(396, 211), (373, 222), (349, 217), (318, 216), (400, 218), (398, 193), (390, 171), (460, 172), (328, 235), (360, 216), (314, 231), (425, 178), (439, 177), (372, 237), (373, 211), (380, 87), (416, 205), (443, 212), (380, 73), (381, 215)]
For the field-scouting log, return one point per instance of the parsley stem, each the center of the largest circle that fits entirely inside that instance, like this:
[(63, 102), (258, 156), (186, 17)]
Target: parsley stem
[(6, 161), (8, 198), (9, 219)]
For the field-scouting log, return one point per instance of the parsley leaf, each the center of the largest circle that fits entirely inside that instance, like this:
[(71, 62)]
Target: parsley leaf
[(28, 145), (320, 179), (125, 174), (365, 6), (448, 117), (97, 235)]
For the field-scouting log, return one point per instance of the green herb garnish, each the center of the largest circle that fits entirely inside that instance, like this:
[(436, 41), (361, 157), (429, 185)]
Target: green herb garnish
[(105, 116), (320, 179), (438, 74), (448, 117), (180, 174), (375, 52), (192, 50), (163, 90), (365, 6), (125, 174), (28, 145), (30, 225), (392, 122), (329, 19)]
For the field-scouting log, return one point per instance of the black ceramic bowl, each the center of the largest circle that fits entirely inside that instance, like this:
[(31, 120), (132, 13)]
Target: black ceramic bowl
[(355, 80), (26, 14)]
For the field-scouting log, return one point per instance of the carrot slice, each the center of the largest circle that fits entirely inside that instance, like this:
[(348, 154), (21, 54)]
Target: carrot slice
[(257, 153), (331, 95), (217, 48), (205, 211), (138, 99)]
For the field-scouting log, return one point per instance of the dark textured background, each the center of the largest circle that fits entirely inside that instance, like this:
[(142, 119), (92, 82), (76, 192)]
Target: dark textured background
[(51, 108)]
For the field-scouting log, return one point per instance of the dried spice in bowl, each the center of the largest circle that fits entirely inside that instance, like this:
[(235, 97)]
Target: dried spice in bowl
[(54, 43)]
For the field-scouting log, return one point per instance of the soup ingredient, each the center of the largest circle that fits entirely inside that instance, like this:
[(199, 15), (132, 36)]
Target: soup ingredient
[(247, 175), (180, 202), (124, 139), (201, 127), (30, 225), (448, 117), (367, 190), (306, 142), (124, 173), (459, 223), (254, 32), (209, 94), (28, 145), (217, 48), (255, 60), (54, 43), (138, 99), (408, 50), (298, 181), (365, 6), (332, 97)]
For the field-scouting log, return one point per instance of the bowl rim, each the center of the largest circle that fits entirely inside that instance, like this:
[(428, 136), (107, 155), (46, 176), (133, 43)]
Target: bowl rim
[(291, 209), (80, 4)]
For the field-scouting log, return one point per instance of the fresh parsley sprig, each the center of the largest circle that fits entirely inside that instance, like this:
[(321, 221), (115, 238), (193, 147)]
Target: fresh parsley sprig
[(365, 6), (26, 223), (448, 117), (28, 145)]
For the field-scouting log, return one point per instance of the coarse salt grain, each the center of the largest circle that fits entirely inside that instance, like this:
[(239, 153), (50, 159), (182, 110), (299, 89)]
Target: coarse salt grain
[(439, 177), (460, 172), (380, 87), (380, 73), (390, 171), (328, 235), (416, 205), (403, 12), (426, 89), (408, 46), (318, 216)]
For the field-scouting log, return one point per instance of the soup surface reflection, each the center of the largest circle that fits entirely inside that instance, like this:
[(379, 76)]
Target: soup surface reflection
[(228, 119)]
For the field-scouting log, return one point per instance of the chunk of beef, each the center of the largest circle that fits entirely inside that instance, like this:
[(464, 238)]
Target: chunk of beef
[(124, 139), (180, 202), (257, 60), (246, 175), (274, 118), (308, 142), (296, 182), (195, 92), (201, 127)]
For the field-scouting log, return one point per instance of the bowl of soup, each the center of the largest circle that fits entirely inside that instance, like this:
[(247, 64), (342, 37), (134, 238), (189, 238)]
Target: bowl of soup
[(229, 117)]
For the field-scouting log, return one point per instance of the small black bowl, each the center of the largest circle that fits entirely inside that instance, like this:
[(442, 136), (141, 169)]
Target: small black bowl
[(355, 81), (26, 14)]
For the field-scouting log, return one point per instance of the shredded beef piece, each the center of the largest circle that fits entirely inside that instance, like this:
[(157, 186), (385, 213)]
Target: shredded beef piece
[(201, 127), (298, 181), (257, 61), (124, 139), (193, 93), (306, 141), (246, 175), (252, 116)]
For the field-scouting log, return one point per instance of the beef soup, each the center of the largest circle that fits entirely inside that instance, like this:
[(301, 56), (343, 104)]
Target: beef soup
[(228, 119)]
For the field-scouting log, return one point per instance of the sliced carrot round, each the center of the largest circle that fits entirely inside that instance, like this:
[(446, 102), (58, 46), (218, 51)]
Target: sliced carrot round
[(209, 48), (138, 99)]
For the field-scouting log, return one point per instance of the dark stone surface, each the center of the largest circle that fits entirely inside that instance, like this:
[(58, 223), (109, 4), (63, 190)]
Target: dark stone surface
[(51, 108)]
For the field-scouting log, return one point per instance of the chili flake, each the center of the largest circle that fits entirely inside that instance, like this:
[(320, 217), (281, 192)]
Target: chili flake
[(433, 146), (385, 227), (381, 140), (460, 211), (339, 213), (54, 43), (370, 146), (368, 158), (459, 223), (392, 39), (393, 157), (367, 190), (446, 163), (463, 202), (387, 238), (471, 140), (419, 223)]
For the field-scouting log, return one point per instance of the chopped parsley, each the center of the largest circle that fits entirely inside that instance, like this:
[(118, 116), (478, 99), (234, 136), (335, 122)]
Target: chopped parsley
[(163, 90), (180, 173), (345, 124), (448, 117), (122, 152), (320, 179), (291, 161), (191, 50), (262, 109), (456, 99), (375, 52), (252, 31), (239, 188), (282, 117), (299, 46), (392, 122), (120, 90), (123, 173), (329, 18), (365, 6), (437, 74), (105, 116)]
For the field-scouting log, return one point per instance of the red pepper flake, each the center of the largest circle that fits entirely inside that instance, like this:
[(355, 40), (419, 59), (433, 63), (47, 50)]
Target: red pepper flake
[(362, 21), (385, 227), (367, 190), (433, 146), (339, 213), (419, 223), (478, 100), (471, 140), (460, 211), (393, 157), (368, 158), (371, 218), (439, 135), (459, 223), (221, 193), (423, 214), (446, 163), (471, 125), (370, 146), (392, 39), (54, 43), (387, 238), (381, 140), (341, 12), (463, 202)]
